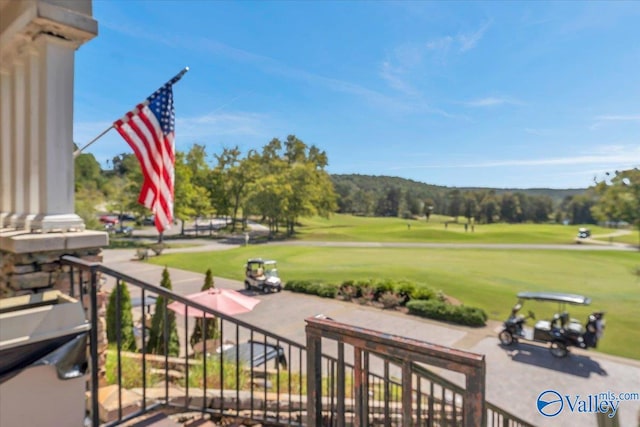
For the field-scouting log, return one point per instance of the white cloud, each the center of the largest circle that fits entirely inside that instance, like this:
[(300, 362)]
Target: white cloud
[(440, 44), (469, 41), (619, 118), (394, 76), (610, 118), (617, 156), (463, 42), (239, 123), (491, 102)]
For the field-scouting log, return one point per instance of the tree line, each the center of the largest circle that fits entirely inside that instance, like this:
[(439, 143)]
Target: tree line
[(612, 200), (280, 183), (286, 180)]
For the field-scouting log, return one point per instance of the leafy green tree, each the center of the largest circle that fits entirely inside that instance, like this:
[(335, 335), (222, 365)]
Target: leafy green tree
[(455, 202), (210, 325), (509, 208), (487, 211), (87, 172), (184, 192), (579, 208), (159, 343), (127, 338), (85, 202), (470, 206), (234, 175), (619, 199)]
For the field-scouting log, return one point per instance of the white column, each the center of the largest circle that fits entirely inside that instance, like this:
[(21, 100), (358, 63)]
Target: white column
[(32, 149), (6, 179), (18, 137), (55, 134)]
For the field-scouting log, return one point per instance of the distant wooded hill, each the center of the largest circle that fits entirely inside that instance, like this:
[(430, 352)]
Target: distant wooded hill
[(394, 196)]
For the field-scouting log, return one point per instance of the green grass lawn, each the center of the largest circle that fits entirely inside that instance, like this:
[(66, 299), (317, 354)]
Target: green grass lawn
[(631, 239), (488, 279), (345, 228)]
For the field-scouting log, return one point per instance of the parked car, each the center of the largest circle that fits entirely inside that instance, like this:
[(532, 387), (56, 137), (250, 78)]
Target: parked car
[(126, 217), (149, 220), (126, 230), (109, 219)]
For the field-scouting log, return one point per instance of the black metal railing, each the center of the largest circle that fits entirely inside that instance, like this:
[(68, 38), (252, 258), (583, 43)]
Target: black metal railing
[(234, 381), (231, 375)]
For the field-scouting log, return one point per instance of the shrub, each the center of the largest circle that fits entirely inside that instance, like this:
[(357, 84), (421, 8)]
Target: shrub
[(347, 291), (367, 294), (390, 300), (156, 344), (312, 288), (380, 287), (127, 338), (210, 324), (297, 285), (327, 290), (362, 286), (405, 289), (423, 292), (438, 310)]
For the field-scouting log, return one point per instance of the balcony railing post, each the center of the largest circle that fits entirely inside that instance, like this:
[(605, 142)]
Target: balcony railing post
[(93, 348), (407, 390), (360, 417), (314, 379), (340, 392), (474, 408)]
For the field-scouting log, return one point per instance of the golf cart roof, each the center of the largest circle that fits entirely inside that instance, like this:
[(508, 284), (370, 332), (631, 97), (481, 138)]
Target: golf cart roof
[(556, 297), (260, 261)]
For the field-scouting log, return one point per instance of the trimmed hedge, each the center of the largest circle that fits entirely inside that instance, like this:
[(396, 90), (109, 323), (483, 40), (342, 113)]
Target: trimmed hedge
[(325, 290), (437, 310), (420, 299)]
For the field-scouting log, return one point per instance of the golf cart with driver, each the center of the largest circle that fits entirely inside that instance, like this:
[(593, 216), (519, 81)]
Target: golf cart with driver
[(262, 275), (561, 331)]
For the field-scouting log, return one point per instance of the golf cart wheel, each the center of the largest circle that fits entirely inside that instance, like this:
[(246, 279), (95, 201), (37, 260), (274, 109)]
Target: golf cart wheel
[(558, 349), (264, 289), (247, 286), (506, 338), (279, 288)]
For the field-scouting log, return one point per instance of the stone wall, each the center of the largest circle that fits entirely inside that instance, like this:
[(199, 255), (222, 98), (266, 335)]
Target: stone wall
[(33, 272), (28, 273)]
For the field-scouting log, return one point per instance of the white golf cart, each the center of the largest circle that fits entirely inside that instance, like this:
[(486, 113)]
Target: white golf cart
[(262, 275)]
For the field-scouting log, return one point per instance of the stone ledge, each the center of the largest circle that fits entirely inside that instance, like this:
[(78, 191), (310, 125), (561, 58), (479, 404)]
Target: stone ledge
[(20, 241)]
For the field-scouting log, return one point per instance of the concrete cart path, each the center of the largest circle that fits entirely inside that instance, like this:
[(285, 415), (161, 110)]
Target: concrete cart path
[(515, 375)]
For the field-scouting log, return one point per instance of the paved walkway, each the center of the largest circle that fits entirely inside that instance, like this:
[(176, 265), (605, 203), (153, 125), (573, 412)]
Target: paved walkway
[(515, 376)]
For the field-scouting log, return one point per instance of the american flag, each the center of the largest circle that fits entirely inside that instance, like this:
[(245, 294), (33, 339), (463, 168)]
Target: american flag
[(149, 131)]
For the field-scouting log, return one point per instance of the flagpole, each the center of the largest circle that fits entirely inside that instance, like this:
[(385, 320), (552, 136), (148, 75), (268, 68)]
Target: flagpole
[(172, 81), (80, 150)]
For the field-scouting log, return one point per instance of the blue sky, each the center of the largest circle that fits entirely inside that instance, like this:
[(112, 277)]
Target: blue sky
[(504, 94)]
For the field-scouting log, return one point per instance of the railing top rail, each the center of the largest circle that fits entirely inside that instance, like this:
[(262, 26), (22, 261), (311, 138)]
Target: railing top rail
[(394, 345), (95, 266)]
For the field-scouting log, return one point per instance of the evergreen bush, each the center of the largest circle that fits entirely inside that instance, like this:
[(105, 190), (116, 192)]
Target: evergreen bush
[(156, 344), (127, 337), (210, 323)]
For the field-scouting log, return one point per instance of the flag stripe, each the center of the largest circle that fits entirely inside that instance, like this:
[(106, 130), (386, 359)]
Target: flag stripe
[(149, 131)]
